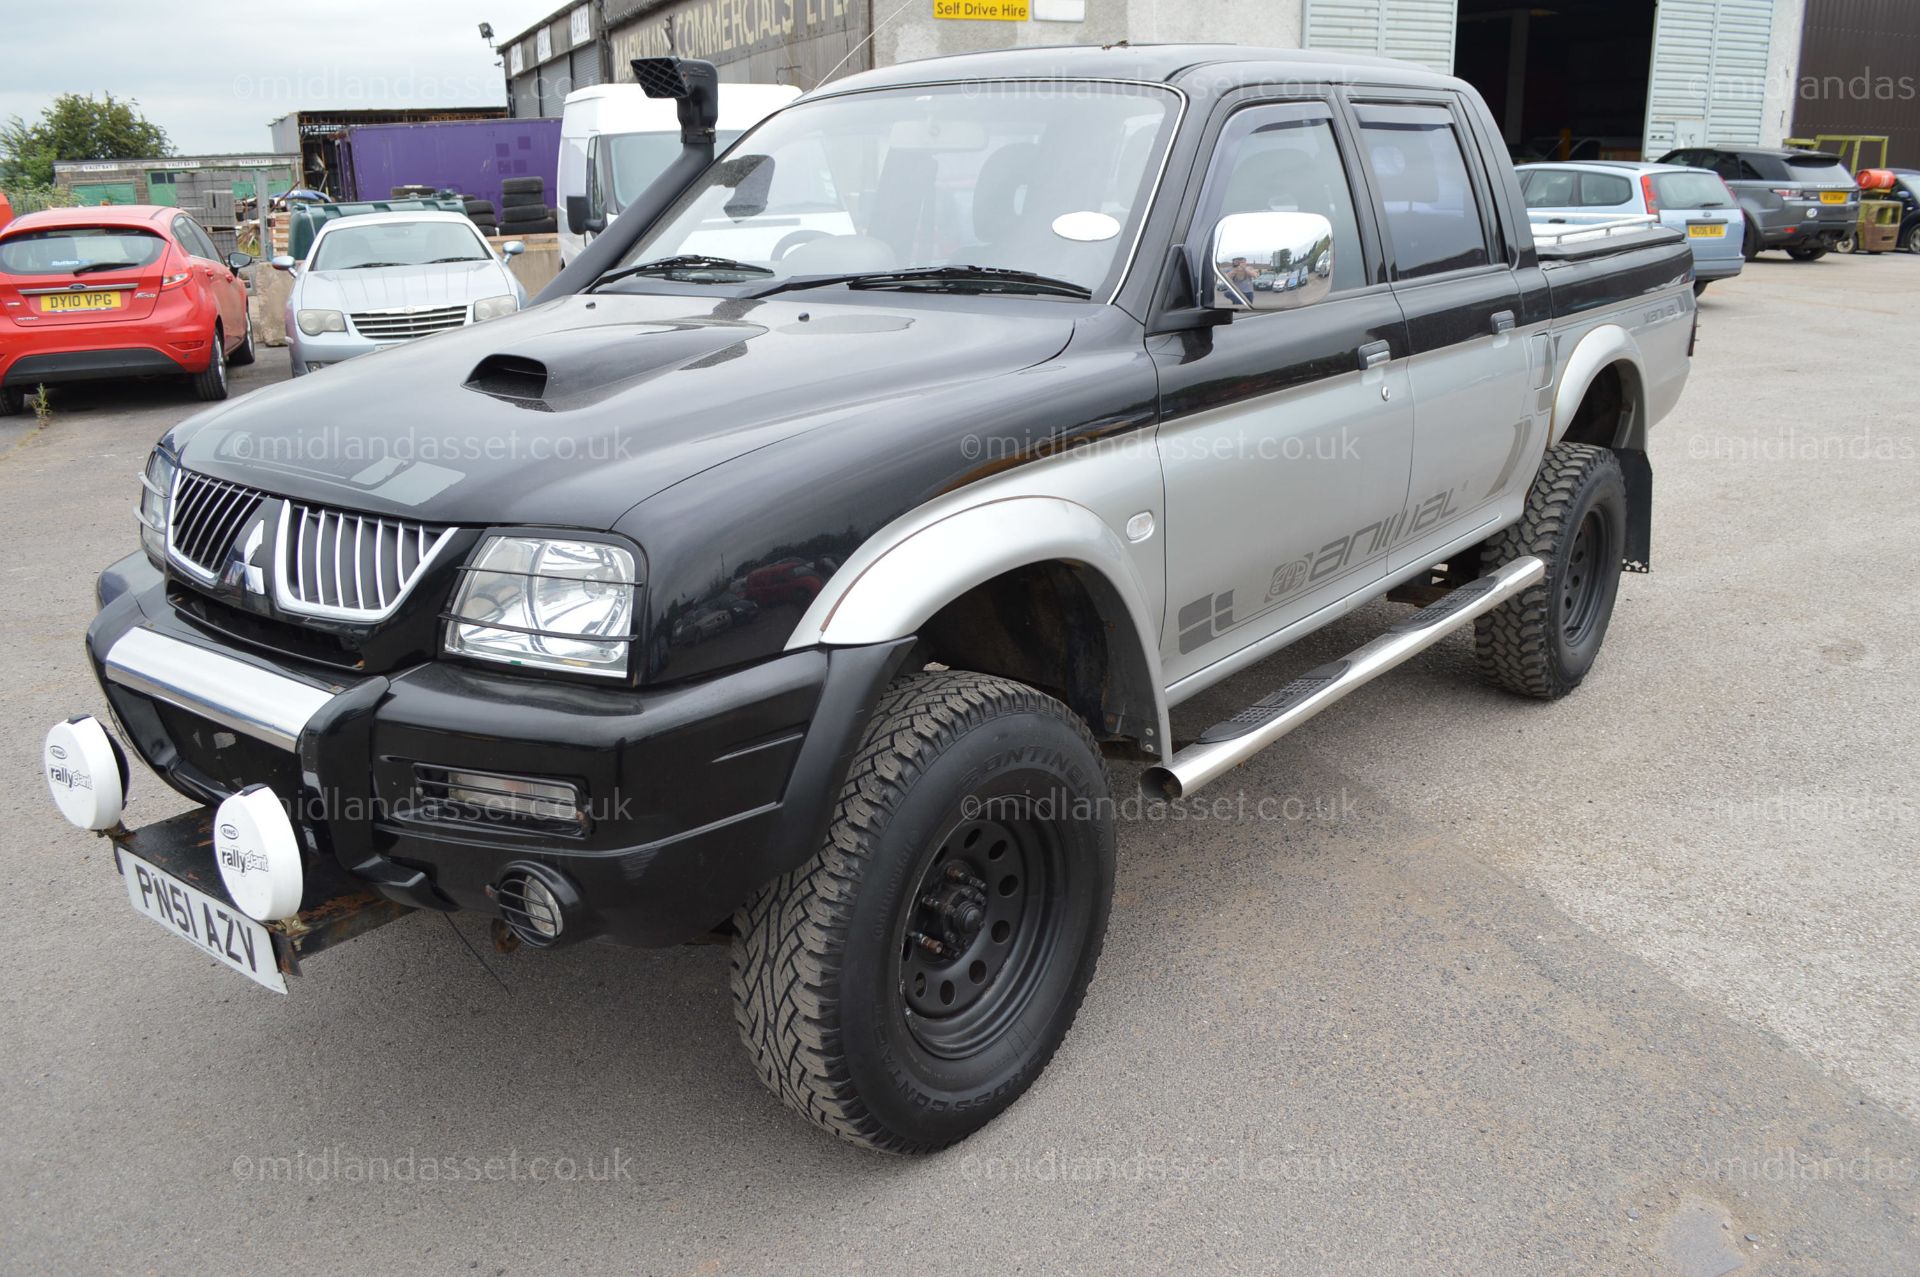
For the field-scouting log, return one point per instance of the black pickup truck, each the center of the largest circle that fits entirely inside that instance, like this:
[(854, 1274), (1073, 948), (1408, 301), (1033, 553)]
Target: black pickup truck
[(793, 572)]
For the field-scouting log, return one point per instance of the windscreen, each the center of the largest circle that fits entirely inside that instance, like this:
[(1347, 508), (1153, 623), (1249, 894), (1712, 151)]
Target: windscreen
[(397, 244), (71, 250), (639, 158), (1042, 177), (1690, 190)]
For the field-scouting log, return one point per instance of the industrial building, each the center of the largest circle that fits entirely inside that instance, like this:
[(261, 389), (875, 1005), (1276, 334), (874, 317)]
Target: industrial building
[(1574, 78), (163, 179)]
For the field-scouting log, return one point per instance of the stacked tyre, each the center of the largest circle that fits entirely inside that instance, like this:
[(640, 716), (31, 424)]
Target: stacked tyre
[(481, 214), (524, 209)]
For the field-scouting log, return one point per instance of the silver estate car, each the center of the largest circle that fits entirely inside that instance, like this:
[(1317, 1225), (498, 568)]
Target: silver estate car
[(379, 279), (1692, 201)]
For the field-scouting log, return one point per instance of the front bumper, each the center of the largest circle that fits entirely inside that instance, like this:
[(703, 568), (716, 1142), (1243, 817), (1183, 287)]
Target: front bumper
[(695, 795)]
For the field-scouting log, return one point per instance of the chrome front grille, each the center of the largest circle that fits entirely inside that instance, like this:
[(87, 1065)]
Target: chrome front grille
[(405, 325), (354, 567), (327, 563), (207, 514)]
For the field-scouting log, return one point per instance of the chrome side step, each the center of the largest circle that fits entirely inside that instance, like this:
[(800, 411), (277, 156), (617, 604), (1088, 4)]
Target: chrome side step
[(1226, 745)]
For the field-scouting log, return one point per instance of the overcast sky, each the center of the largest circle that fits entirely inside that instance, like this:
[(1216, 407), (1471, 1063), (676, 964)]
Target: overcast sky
[(213, 74)]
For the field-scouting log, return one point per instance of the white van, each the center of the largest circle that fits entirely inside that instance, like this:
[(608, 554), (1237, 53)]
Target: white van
[(614, 140)]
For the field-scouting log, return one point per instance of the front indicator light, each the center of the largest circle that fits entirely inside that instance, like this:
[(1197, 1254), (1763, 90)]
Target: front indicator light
[(315, 322), (156, 495), (546, 604)]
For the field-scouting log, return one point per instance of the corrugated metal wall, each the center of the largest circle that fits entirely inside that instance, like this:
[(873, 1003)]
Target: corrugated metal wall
[(1709, 79), (1858, 65), (1417, 30)]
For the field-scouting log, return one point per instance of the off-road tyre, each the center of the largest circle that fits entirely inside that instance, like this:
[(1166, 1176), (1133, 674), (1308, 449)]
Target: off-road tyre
[(476, 209), (210, 383), (1806, 254), (523, 186), (959, 777), (1750, 244), (1543, 642)]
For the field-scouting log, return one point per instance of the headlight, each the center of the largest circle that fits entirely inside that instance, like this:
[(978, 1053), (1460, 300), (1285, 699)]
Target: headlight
[(494, 307), (551, 604), (156, 494), (315, 322)]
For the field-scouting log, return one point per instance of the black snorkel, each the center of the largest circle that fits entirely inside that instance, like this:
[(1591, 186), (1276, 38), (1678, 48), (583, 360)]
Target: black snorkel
[(695, 85)]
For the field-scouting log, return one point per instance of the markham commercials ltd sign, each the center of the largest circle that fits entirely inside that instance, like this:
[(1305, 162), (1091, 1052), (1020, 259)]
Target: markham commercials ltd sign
[(728, 30)]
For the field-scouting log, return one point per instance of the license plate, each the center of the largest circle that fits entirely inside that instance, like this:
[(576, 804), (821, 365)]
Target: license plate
[(67, 303), (1833, 197), (209, 925), (1715, 230)]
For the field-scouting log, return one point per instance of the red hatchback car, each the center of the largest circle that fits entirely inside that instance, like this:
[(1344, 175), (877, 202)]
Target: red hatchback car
[(132, 291)]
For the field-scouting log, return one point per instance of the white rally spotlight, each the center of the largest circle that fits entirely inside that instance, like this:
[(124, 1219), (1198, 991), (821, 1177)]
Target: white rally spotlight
[(86, 773), (258, 855)]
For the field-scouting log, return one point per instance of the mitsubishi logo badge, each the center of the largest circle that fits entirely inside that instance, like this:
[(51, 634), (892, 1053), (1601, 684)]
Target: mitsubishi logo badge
[(244, 567)]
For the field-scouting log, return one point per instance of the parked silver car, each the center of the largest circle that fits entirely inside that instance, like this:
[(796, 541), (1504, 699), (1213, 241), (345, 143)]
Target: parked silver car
[(1693, 201), (382, 278)]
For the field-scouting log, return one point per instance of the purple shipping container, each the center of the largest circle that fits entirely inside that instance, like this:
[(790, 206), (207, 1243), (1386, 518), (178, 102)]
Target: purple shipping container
[(470, 156)]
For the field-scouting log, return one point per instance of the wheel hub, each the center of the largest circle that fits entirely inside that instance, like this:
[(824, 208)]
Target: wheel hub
[(971, 931)]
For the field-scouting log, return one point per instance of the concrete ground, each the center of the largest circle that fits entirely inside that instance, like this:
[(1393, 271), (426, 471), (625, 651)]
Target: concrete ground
[(1624, 984)]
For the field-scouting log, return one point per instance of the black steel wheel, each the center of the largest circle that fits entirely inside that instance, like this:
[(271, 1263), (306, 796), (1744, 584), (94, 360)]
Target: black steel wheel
[(1543, 642), (985, 926), (911, 980)]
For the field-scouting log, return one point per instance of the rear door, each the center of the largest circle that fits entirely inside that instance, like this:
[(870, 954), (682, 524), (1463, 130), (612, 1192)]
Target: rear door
[(1285, 435), (222, 285), (1452, 265)]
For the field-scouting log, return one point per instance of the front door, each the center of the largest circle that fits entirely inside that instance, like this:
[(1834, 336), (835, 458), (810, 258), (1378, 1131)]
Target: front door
[(1285, 435)]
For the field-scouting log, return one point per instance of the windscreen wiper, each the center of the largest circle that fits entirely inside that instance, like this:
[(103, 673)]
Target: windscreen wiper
[(686, 261), (91, 267), (960, 279), (369, 265)]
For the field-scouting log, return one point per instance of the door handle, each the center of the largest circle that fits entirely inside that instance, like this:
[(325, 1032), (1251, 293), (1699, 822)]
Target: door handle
[(1503, 322), (1375, 353)]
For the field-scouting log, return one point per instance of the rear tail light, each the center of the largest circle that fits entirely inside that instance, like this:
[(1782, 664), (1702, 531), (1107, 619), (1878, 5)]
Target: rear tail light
[(174, 281), (1646, 189), (1789, 192), (1733, 201)]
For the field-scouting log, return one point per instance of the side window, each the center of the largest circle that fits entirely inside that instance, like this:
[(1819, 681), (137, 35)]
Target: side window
[(1285, 160), (596, 200), (1426, 190), (204, 242), (1550, 188), (183, 231), (1744, 171), (1603, 190)]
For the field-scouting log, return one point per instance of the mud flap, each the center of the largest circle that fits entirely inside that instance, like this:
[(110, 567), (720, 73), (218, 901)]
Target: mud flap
[(1638, 473)]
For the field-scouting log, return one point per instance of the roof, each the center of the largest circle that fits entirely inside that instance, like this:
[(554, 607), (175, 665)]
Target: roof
[(1231, 64), (99, 215), (1771, 152), (396, 215), (1614, 166)]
